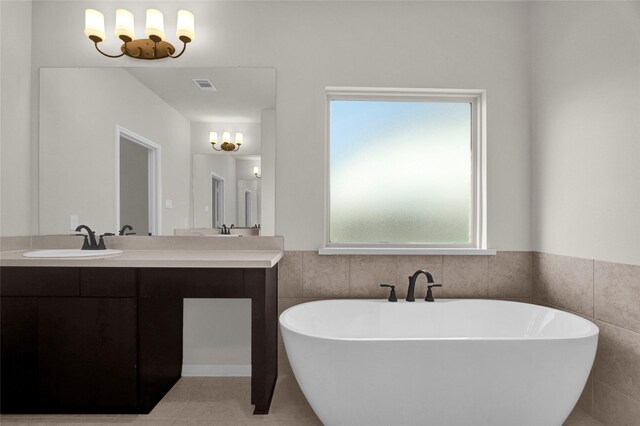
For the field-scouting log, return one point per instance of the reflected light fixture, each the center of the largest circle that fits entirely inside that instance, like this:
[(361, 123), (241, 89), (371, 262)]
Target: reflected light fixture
[(227, 145), (256, 172), (153, 47)]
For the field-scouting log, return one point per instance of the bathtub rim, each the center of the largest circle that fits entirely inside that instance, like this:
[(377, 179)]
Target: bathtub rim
[(594, 329)]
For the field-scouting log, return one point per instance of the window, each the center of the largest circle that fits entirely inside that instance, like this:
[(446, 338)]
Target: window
[(405, 168)]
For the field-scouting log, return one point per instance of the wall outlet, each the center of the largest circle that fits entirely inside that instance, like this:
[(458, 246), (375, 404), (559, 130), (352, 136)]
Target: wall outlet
[(168, 204), (73, 222)]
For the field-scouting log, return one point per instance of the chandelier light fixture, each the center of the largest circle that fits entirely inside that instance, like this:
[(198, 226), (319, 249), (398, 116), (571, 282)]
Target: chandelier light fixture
[(152, 47), (256, 172), (227, 145)]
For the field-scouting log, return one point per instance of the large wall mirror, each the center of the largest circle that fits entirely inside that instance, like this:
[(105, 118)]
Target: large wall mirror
[(131, 146)]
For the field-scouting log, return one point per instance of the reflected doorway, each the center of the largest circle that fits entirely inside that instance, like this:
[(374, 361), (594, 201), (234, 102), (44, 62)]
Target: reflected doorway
[(217, 201), (138, 183)]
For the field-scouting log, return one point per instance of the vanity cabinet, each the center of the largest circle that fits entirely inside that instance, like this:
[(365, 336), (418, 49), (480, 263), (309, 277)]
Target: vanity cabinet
[(109, 340), (87, 353), (62, 351), (19, 357)]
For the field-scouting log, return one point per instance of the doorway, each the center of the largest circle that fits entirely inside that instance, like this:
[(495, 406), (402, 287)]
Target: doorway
[(217, 201), (138, 183)]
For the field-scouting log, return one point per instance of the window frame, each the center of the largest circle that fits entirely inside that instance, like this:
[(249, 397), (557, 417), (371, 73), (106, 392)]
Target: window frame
[(477, 99)]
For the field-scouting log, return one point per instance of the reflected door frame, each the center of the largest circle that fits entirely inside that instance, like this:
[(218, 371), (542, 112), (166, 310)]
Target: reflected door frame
[(248, 208), (155, 182)]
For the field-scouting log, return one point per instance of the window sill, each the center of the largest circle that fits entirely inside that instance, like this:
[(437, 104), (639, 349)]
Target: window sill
[(400, 251)]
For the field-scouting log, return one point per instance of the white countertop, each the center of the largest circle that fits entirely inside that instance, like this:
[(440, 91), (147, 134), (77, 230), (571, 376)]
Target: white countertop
[(157, 259)]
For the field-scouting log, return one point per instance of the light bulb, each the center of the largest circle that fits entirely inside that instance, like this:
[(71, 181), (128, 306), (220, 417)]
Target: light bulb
[(186, 27), (94, 25), (213, 137), (226, 137), (124, 25), (155, 25), (256, 170), (239, 138)]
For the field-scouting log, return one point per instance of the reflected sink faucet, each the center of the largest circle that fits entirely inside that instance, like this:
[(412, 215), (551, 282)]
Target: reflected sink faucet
[(412, 285), (123, 230)]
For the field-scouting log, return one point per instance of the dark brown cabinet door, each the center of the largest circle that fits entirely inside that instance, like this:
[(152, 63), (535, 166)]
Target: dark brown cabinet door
[(87, 353), (19, 354)]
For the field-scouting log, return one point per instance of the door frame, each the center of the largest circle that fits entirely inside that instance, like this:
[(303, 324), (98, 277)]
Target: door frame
[(250, 194), (155, 180)]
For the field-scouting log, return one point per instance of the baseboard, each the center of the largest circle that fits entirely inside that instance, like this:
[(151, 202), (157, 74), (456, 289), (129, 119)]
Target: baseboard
[(216, 370)]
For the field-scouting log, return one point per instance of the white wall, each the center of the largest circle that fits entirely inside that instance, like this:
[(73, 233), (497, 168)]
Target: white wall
[(313, 45), (210, 344), (586, 129), (15, 89), (80, 109), (268, 170)]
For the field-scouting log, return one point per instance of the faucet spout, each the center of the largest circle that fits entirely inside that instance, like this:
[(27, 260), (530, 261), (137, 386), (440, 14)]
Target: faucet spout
[(412, 283), (124, 229), (93, 244)]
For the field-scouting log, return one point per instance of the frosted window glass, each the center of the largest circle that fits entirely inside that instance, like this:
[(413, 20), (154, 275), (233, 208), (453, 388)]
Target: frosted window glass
[(401, 172)]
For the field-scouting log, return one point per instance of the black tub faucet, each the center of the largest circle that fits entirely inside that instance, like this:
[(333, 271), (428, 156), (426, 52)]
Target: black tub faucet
[(90, 242), (412, 285), (429, 297)]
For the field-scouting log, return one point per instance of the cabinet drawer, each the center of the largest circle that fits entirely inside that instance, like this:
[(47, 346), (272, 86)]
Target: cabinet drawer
[(191, 282), (108, 282), (37, 281)]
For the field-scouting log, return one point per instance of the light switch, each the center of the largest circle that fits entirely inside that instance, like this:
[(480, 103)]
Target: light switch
[(168, 204), (73, 222)]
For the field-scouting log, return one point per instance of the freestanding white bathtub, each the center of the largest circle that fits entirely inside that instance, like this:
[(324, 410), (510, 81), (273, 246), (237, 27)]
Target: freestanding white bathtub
[(450, 362)]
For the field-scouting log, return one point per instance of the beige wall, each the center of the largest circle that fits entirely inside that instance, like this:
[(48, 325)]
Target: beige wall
[(79, 111), (15, 89), (395, 44), (609, 295), (586, 129)]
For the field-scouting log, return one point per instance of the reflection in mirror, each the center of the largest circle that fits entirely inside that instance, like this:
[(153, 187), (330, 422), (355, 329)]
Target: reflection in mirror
[(131, 146), (226, 191)]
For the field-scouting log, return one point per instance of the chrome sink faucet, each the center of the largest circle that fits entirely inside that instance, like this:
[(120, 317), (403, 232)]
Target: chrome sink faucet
[(412, 286)]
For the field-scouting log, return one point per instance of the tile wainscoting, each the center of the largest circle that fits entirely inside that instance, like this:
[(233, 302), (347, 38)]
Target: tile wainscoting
[(606, 293), (609, 295)]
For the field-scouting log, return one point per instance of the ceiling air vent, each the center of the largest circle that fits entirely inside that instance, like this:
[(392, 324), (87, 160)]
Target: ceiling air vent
[(205, 85)]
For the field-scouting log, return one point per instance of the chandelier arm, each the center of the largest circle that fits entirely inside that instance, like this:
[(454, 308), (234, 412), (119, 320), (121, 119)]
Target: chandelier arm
[(216, 149), (184, 47), (107, 55)]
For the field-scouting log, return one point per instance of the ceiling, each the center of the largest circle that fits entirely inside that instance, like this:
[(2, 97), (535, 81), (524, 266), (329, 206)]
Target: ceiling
[(241, 92)]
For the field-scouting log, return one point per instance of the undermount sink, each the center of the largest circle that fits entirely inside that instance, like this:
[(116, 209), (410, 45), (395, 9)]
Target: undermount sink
[(72, 253)]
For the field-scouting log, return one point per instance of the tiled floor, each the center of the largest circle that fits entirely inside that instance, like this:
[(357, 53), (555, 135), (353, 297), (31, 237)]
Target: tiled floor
[(219, 401)]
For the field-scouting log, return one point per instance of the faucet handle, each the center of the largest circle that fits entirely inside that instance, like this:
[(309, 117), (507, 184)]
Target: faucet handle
[(429, 297), (392, 295), (101, 245)]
